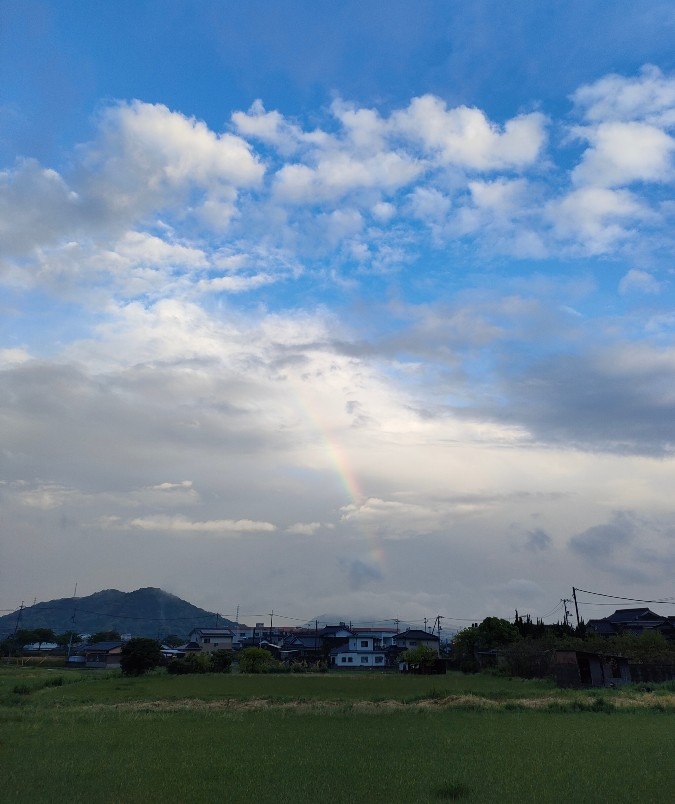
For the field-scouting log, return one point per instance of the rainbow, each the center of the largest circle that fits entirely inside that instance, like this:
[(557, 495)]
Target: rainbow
[(339, 459)]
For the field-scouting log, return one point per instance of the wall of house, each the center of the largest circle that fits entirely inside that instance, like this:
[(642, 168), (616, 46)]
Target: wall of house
[(354, 659), (101, 660), (361, 643), (215, 643)]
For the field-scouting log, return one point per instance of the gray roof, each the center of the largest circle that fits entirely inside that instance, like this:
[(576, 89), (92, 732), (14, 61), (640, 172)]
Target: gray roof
[(416, 633), (101, 647)]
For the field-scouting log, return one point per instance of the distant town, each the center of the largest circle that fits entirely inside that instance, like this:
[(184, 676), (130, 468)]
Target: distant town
[(628, 645)]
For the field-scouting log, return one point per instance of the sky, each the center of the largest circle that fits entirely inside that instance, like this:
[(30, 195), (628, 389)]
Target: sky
[(347, 309)]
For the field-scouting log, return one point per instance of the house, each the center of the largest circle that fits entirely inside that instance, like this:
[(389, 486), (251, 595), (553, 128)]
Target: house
[(633, 621), (578, 668), (208, 640), (414, 637), (305, 646), (361, 650), (105, 655)]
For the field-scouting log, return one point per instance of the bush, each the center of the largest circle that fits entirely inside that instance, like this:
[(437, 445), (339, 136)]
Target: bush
[(258, 660), (140, 655), (221, 661), (198, 663)]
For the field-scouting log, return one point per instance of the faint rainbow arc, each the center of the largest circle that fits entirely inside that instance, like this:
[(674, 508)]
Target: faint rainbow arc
[(339, 459)]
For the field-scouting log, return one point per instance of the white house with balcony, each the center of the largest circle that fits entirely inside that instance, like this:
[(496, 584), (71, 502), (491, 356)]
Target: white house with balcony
[(360, 651)]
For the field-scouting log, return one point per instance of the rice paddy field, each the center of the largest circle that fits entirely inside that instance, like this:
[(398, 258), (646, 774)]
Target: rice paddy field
[(76, 736)]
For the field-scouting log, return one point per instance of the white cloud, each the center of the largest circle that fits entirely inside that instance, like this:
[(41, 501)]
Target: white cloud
[(650, 96), (338, 173), (304, 528), (216, 526), (429, 205), (36, 207), (636, 281), (622, 153), (596, 218), (146, 147), (13, 356), (465, 137)]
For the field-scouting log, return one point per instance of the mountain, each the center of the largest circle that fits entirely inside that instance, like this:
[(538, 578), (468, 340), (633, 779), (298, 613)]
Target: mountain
[(146, 612)]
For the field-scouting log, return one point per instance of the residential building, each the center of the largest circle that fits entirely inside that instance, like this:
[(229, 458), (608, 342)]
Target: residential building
[(414, 637), (209, 639), (361, 650)]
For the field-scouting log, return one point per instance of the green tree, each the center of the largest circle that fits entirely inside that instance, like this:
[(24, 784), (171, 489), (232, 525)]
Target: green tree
[(493, 632), (256, 660), (67, 638), (42, 635), (221, 661), (422, 656), (173, 640), (192, 663), (140, 655)]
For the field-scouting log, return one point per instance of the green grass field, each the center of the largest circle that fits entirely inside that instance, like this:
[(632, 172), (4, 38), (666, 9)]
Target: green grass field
[(337, 738)]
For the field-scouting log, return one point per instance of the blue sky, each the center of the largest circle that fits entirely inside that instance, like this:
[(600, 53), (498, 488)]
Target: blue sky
[(359, 308)]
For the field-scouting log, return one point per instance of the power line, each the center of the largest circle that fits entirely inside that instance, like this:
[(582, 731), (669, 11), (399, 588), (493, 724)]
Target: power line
[(667, 601)]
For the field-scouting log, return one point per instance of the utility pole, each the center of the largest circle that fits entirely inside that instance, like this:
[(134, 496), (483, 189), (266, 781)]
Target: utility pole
[(18, 619), (72, 626), (425, 623), (237, 619), (576, 605), (271, 623), (565, 601)]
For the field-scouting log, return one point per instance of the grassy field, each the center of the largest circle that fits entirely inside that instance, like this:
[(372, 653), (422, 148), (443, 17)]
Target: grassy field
[(338, 738)]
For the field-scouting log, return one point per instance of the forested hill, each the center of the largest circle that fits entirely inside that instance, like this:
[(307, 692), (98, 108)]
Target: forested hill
[(145, 612)]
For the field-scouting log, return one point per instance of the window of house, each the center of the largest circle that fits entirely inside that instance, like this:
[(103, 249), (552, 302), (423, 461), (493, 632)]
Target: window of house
[(206, 640), (344, 659), (364, 643), (379, 659), (350, 659), (412, 643), (364, 660)]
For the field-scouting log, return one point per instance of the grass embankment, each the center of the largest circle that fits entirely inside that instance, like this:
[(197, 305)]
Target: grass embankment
[(371, 738)]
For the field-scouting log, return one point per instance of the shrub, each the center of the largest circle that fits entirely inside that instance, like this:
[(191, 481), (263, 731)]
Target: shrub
[(199, 663), (140, 655), (221, 661), (257, 660)]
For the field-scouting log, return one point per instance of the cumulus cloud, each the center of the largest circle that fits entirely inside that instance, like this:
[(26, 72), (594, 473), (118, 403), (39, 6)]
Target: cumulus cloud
[(466, 138), (623, 153), (145, 152), (596, 218), (649, 96)]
